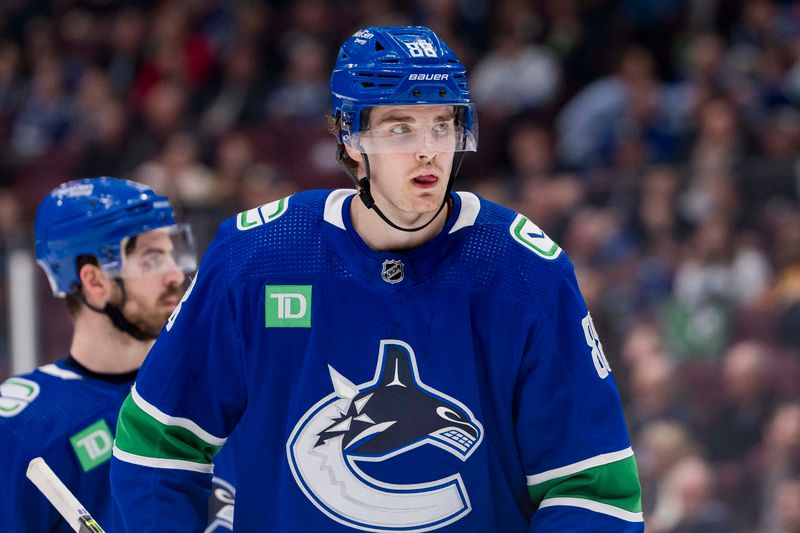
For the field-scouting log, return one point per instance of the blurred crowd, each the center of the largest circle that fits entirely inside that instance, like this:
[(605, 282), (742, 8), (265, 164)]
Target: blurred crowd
[(658, 141)]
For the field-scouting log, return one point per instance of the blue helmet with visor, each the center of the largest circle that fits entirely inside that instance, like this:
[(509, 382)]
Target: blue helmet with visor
[(396, 66), (97, 217), (400, 66)]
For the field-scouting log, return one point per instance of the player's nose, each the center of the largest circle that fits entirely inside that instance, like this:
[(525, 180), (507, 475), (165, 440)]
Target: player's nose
[(426, 153), (174, 276)]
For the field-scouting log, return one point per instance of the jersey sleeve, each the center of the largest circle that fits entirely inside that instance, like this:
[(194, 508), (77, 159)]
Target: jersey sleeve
[(188, 397), (580, 468)]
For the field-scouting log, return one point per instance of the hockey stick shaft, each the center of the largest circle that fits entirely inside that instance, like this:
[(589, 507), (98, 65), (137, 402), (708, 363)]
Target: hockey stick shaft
[(60, 496)]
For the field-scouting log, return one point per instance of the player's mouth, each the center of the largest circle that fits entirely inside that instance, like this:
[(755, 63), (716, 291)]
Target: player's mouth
[(171, 302), (171, 298), (425, 181)]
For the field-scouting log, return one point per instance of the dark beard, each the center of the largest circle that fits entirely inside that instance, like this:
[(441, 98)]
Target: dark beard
[(150, 324)]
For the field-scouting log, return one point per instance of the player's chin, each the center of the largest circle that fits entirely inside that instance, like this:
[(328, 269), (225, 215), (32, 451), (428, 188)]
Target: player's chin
[(428, 194), (421, 203), (423, 213), (152, 326), (428, 203)]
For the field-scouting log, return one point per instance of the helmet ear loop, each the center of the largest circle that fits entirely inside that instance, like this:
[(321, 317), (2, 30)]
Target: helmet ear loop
[(362, 185), (364, 192)]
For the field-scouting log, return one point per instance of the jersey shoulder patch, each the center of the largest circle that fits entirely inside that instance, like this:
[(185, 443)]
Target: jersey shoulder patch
[(252, 218), (16, 394), (533, 238)]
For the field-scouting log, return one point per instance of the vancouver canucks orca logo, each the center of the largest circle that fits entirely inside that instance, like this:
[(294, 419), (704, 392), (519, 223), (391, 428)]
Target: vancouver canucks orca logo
[(375, 421)]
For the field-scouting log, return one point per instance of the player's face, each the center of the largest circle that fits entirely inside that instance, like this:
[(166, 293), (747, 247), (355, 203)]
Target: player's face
[(153, 282), (412, 180)]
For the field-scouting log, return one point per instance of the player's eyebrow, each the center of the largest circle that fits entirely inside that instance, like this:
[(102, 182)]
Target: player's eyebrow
[(392, 117), (153, 250)]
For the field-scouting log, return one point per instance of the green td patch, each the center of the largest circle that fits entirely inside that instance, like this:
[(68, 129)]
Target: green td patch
[(287, 306), (93, 445)]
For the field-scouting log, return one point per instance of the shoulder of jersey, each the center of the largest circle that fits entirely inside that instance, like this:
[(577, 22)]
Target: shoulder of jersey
[(41, 393), (272, 214), (497, 235), (505, 252), (263, 237), (526, 241), (52, 410), (284, 221)]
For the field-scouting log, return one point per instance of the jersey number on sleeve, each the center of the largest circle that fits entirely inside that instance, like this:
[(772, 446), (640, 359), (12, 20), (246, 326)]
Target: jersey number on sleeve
[(593, 341)]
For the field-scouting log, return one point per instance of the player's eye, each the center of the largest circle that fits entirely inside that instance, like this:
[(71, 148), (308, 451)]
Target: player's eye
[(153, 262), (400, 129), (440, 129)]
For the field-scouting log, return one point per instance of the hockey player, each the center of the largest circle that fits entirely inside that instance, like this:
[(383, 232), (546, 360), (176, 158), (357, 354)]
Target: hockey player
[(113, 250), (396, 358)]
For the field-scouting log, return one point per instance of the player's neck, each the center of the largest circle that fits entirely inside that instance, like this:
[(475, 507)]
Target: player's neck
[(100, 347), (378, 235)]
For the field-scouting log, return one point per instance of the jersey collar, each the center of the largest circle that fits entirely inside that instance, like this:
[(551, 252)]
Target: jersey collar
[(419, 264)]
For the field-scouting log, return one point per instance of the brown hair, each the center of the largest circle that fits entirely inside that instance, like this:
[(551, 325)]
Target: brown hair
[(334, 127)]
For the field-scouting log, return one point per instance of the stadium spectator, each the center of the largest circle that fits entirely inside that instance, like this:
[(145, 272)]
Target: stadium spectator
[(779, 461), (662, 444), (688, 502), (516, 74)]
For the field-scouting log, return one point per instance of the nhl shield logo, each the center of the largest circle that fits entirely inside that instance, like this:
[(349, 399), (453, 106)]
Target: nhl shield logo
[(393, 271)]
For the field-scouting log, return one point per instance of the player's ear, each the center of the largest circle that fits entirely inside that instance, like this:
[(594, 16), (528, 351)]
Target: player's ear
[(96, 285), (355, 155)]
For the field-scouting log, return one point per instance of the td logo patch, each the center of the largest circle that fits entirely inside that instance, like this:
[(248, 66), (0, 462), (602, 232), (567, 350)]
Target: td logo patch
[(93, 445), (287, 306)]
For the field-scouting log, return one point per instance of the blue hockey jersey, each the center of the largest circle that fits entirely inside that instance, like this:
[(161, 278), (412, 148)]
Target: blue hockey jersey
[(458, 386), (67, 416)]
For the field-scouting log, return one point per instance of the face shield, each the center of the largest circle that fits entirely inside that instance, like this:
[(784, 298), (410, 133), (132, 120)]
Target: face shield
[(416, 128), (156, 252)]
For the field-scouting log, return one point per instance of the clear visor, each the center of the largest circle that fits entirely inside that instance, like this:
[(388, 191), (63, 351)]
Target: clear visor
[(161, 251), (412, 129)]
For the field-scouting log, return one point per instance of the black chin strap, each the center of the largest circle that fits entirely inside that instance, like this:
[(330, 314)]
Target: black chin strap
[(362, 186), (114, 312)]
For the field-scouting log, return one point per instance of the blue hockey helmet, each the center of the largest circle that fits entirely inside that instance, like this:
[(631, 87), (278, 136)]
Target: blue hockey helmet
[(96, 217), (405, 65)]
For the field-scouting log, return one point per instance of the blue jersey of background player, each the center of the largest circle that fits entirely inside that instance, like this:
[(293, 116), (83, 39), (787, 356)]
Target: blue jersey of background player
[(113, 250), (395, 358)]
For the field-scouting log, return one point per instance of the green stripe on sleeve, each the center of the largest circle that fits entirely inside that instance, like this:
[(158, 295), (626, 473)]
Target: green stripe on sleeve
[(141, 434), (615, 484)]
